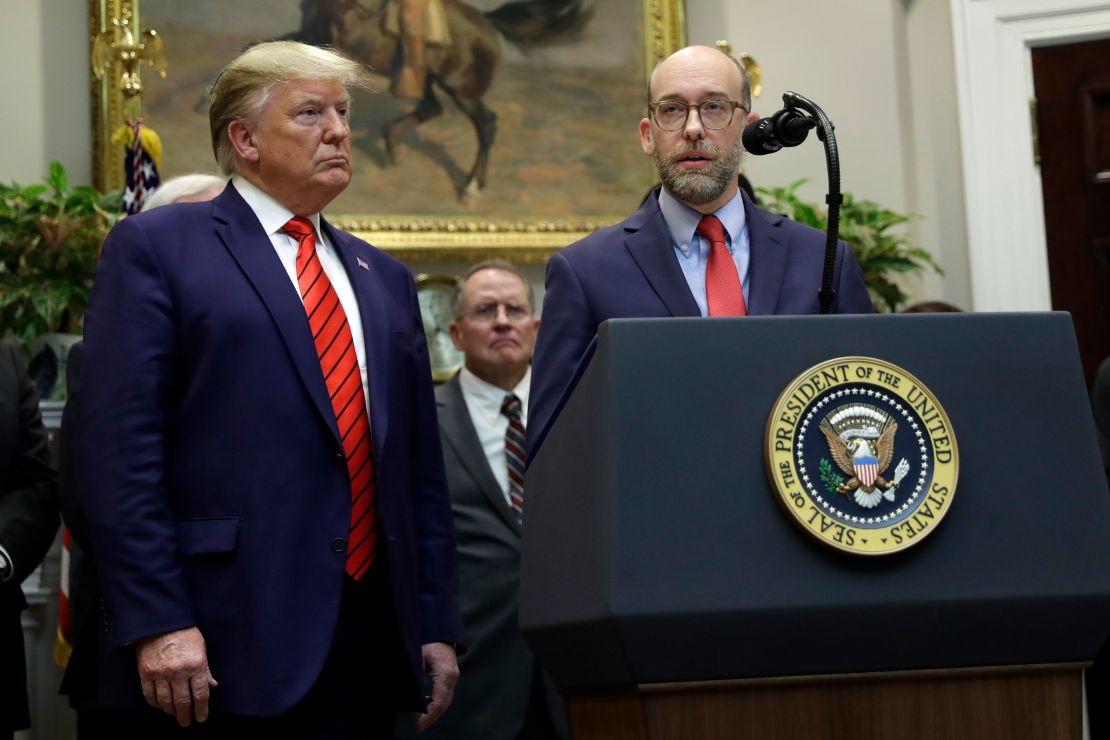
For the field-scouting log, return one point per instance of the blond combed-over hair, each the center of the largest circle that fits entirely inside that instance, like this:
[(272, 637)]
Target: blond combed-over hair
[(244, 85)]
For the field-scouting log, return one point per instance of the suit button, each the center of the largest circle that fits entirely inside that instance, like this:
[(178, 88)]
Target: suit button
[(339, 544), (340, 455)]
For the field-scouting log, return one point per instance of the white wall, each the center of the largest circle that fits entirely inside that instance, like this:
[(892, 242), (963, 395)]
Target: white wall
[(44, 64), (841, 56), (882, 70), (935, 175)]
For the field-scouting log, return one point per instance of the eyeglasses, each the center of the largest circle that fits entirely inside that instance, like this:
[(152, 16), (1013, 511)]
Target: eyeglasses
[(671, 115), (487, 313)]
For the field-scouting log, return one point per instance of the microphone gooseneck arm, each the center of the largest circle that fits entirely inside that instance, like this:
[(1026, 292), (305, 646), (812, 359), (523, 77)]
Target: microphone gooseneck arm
[(789, 127)]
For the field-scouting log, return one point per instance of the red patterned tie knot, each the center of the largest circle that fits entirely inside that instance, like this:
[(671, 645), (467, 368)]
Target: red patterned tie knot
[(298, 227), (710, 227)]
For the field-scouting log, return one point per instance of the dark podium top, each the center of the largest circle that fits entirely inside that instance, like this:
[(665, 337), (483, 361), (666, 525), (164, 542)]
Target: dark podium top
[(655, 550)]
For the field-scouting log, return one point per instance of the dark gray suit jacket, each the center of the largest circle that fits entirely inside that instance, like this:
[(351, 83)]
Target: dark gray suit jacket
[(498, 669), (28, 521)]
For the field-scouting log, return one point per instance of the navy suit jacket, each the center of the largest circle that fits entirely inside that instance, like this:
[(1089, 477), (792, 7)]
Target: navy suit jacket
[(630, 271), (212, 470)]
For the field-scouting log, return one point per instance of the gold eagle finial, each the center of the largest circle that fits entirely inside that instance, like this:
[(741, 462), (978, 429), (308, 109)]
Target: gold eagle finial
[(122, 45), (750, 65)]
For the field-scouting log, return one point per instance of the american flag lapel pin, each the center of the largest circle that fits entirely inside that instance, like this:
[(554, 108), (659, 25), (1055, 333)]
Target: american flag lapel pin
[(362, 263)]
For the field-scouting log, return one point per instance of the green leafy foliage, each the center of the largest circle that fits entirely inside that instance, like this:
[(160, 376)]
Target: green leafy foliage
[(830, 479), (873, 233), (50, 238)]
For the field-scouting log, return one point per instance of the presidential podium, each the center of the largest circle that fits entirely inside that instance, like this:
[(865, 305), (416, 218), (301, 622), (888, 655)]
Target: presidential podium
[(671, 596)]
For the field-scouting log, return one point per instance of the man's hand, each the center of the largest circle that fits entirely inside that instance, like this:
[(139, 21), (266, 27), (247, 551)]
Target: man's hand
[(443, 668), (173, 669)]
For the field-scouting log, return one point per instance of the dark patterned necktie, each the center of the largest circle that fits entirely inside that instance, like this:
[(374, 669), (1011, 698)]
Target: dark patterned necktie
[(724, 295), (336, 349), (514, 452)]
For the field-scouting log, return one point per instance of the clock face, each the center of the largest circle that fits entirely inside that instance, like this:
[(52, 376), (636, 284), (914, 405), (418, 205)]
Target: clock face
[(436, 294)]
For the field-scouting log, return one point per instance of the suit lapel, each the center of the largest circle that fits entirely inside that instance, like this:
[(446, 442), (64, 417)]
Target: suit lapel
[(458, 429), (649, 243), (242, 235), (367, 286), (768, 259)]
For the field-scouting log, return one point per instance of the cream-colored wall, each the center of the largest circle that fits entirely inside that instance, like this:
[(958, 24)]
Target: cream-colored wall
[(935, 174), (881, 69), (21, 126), (44, 75)]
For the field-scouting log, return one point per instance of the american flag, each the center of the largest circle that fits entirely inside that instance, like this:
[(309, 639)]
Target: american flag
[(867, 469), (63, 643), (141, 165)]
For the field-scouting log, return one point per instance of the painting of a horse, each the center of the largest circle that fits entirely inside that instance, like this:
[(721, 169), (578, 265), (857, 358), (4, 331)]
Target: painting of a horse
[(463, 69), (536, 100)]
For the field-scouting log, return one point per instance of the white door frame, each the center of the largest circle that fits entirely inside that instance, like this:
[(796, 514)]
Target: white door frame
[(994, 84)]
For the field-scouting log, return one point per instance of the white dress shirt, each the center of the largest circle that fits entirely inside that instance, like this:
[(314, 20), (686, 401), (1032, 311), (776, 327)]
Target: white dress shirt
[(483, 401), (273, 216)]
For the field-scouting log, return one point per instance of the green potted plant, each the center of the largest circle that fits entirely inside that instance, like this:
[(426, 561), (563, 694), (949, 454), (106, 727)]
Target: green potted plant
[(50, 238), (881, 248)]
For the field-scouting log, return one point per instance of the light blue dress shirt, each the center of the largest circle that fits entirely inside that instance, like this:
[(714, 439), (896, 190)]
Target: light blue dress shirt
[(692, 249)]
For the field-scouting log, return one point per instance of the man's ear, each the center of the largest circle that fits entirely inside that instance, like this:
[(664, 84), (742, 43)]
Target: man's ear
[(647, 140), (456, 335), (242, 139)]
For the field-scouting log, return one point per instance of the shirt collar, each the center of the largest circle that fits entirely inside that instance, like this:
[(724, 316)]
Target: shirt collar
[(271, 214), (682, 220), (488, 397)]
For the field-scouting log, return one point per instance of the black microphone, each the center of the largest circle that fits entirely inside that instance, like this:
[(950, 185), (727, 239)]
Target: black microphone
[(787, 127)]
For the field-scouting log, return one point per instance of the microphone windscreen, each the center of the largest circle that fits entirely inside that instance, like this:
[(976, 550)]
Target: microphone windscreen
[(759, 138)]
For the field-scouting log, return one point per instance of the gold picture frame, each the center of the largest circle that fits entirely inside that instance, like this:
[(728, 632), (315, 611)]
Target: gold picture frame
[(455, 235)]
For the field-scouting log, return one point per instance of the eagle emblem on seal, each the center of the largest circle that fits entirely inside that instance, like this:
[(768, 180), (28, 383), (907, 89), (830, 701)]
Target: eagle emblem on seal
[(861, 442)]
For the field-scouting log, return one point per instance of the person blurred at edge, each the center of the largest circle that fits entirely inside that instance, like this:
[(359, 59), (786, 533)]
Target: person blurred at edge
[(28, 522)]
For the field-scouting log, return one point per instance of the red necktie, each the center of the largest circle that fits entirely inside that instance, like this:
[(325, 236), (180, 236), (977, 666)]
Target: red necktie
[(336, 349), (723, 294)]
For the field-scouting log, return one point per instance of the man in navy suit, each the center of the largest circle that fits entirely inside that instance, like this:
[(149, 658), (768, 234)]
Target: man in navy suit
[(259, 456), (658, 262)]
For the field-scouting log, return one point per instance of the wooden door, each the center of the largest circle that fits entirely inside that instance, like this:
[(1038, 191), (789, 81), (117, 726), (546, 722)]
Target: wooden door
[(1072, 84)]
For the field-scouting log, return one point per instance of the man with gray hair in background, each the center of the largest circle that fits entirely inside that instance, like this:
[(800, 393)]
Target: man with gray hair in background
[(258, 450), (504, 694), (192, 188)]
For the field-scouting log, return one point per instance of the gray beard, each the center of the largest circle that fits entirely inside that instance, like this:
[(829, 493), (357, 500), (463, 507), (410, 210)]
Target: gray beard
[(702, 186)]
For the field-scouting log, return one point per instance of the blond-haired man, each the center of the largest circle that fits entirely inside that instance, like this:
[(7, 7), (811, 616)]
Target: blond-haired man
[(259, 454)]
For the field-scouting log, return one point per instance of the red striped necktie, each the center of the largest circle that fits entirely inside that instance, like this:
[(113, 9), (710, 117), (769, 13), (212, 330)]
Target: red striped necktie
[(336, 349), (724, 295), (514, 452)]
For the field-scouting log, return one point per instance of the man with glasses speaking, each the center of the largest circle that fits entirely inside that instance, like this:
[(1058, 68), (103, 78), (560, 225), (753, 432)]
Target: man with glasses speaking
[(701, 248)]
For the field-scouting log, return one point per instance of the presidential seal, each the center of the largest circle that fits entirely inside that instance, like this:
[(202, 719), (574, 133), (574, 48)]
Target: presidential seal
[(862, 455)]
